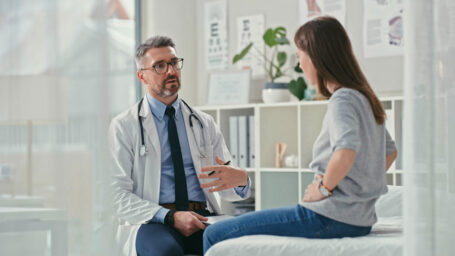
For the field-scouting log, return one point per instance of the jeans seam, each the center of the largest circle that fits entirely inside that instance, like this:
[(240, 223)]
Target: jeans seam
[(327, 226), (261, 225)]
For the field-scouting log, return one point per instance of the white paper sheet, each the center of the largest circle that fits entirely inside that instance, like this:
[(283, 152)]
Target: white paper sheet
[(383, 28), (250, 29), (215, 26), (311, 8), (215, 219), (229, 87)]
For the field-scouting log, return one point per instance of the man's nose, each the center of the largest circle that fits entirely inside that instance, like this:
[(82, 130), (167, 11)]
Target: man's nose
[(171, 70)]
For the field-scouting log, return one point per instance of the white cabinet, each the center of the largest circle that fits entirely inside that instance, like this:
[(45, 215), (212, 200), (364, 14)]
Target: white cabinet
[(297, 124)]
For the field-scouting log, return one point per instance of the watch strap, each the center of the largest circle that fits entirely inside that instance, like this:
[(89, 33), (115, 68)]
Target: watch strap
[(169, 218), (324, 190)]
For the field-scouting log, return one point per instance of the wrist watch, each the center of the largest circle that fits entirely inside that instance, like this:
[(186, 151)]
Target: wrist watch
[(323, 189), (169, 218)]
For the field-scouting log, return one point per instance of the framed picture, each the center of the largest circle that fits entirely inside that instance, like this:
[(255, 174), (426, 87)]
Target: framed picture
[(229, 87)]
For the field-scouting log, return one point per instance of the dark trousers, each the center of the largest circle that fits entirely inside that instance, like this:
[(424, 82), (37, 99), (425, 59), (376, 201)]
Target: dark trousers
[(156, 239)]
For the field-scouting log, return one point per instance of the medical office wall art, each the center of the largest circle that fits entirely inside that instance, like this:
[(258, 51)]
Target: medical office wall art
[(312, 8), (250, 29), (215, 26), (383, 28)]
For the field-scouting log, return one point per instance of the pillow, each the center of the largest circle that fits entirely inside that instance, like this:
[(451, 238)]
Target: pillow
[(391, 203)]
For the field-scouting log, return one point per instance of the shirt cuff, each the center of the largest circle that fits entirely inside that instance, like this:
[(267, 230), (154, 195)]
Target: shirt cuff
[(242, 191), (159, 216)]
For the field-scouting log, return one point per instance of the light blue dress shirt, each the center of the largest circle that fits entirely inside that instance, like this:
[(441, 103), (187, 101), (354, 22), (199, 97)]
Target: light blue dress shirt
[(167, 185)]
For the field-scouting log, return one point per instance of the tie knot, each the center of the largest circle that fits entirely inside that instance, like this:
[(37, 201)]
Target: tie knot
[(170, 111)]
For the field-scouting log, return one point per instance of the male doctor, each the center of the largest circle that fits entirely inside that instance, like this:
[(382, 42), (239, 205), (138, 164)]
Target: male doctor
[(158, 148)]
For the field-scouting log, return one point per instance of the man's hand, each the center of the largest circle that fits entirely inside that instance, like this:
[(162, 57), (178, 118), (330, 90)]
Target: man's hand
[(312, 192), (227, 176), (188, 222)]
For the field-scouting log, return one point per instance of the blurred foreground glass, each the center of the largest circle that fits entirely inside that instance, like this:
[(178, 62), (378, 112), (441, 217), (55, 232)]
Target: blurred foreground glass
[(66, 68), (429, 128)]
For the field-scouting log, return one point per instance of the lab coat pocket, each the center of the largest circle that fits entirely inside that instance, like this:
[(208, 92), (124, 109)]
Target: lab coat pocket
[(209, 158)]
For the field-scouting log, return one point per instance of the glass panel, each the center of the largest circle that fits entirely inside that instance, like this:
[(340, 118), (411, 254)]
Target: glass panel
[(311, 123), (277, 125), (389, 178), (307, 179), (399, 180), (279, 189), (67, 67)]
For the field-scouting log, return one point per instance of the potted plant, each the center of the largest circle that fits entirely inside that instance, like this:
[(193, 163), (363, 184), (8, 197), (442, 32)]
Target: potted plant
[(274, 68)]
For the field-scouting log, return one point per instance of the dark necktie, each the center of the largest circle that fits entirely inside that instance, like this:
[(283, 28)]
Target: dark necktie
[(181, 194)]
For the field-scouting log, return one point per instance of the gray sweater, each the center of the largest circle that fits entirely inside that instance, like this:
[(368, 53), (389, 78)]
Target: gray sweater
[(349, 124)]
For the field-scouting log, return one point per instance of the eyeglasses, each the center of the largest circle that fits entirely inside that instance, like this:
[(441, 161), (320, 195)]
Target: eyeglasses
[(163, 67)]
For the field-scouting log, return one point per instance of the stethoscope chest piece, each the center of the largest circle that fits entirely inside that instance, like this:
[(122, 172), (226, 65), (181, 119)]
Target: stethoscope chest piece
[(143, 150)]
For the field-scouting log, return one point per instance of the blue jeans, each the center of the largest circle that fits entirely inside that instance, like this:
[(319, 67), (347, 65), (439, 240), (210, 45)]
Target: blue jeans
[(296, 221)]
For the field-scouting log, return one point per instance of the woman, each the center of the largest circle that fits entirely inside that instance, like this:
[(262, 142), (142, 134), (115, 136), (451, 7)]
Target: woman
[(350, 155)]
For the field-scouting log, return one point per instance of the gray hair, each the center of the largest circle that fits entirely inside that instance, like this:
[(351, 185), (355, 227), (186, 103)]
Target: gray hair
[(152, 42)]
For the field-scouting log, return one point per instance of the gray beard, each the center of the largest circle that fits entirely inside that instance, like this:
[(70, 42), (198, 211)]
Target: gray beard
[(165, 93)]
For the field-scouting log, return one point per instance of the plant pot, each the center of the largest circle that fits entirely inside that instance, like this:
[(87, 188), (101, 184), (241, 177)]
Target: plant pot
[(276, 92)]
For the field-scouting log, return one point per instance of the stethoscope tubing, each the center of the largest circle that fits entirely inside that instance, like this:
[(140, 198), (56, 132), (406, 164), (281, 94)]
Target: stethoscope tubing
[(143, 149)]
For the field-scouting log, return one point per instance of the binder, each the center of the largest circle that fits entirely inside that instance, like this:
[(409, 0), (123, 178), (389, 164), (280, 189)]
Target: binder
[(234, 139), (243, 141), (251, 148)]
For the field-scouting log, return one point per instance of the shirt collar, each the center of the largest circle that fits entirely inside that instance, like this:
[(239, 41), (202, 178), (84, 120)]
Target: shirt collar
[(158, 108)]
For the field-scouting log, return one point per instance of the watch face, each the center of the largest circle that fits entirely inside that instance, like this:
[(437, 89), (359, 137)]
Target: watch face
[(323, 191)]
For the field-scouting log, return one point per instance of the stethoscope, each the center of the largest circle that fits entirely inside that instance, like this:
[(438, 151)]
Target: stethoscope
[(143, 150)]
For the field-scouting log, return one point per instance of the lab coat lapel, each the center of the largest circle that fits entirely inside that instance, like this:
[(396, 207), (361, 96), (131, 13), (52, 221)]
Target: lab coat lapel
[(150, 131)]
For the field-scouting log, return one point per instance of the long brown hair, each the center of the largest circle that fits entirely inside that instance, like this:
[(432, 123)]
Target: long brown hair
[(327, 44)]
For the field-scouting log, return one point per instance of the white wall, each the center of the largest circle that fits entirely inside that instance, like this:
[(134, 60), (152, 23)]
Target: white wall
[(385, 74), (176, 19)]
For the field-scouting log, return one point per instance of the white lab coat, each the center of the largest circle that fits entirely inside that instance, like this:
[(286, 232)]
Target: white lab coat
[(136, 179)]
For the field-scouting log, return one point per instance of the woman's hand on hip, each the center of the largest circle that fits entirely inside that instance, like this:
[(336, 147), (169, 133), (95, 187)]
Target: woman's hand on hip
[(312, 192)]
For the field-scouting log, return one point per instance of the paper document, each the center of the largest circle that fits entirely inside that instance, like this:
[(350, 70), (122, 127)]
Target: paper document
[(214, 219)]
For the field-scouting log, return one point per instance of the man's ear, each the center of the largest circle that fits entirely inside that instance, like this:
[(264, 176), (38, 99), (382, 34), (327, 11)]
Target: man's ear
[(140, 75)]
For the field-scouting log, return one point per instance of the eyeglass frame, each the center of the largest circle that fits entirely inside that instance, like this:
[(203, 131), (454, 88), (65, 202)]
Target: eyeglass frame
[(167, 66)]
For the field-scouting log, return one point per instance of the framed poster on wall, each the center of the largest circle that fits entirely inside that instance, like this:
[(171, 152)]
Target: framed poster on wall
[(229, 87)]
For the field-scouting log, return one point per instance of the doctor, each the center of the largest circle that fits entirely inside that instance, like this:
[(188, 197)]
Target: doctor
[(158, 148)]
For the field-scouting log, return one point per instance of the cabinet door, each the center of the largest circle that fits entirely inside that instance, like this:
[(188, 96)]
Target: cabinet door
[(278, 124), (310, 126), (279, 189), (307, 179)]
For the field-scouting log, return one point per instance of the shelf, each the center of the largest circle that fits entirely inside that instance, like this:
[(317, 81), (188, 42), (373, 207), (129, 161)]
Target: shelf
[(278, 169), (311, 118), (297, 124), (283, 189), (282, 104), (277, 125), (215, 107)]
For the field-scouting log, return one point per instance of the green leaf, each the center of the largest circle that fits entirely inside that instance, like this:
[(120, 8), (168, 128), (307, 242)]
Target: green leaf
[(275, 36), (298, 87), (269, 37), (280, 36), (242, 54), (281, 57), (297, 68), (280, 31), (282, 41)]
